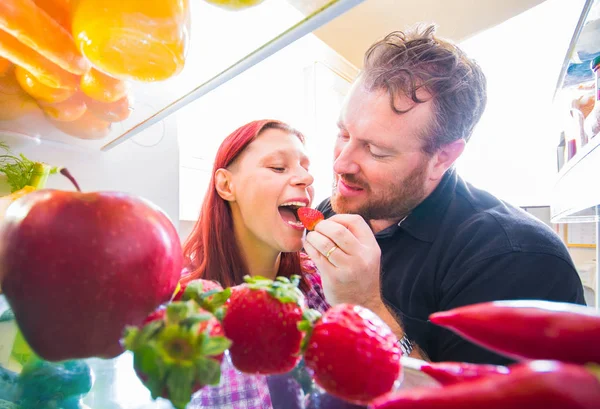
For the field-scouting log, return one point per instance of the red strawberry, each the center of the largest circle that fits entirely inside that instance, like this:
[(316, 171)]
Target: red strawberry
[(352, 354), (157, 314), (309, 217), (178, 351), (261, 320)]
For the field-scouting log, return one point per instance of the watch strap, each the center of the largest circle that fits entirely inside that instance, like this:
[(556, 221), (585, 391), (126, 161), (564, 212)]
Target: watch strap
[(406, 345)]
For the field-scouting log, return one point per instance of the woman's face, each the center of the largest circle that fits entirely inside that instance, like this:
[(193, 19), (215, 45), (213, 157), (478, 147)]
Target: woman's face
[(269, 180)]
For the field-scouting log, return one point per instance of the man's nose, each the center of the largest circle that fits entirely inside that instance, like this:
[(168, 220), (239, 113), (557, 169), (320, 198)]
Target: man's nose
[(345, 161)]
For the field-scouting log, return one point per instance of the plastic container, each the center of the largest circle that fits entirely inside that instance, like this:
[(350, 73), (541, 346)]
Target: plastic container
[(132, 39), (592, 122)]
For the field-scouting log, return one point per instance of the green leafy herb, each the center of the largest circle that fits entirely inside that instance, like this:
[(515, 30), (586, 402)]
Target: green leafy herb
[(21, 171), (18, 169)]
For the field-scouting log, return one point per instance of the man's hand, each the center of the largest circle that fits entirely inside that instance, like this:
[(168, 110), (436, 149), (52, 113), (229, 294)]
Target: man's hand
[(348, 257)]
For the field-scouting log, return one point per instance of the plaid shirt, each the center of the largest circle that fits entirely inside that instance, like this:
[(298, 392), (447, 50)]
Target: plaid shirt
[(242, 391)]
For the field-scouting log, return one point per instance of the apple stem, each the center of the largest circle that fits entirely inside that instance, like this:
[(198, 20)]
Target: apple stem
[(68, 175)]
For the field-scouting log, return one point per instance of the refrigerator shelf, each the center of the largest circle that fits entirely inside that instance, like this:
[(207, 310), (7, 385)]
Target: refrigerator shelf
[(223, 44)]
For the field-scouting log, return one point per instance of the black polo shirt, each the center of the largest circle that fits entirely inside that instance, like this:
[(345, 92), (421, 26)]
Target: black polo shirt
[(462, 246)]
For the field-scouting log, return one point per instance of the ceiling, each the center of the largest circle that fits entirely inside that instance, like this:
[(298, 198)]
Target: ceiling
[(352, 33)]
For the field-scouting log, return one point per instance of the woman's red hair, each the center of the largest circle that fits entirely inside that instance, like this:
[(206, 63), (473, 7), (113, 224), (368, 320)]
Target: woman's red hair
[(211, 251)]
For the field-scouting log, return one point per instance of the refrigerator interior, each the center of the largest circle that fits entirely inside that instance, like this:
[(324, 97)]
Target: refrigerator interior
[(147, 165)]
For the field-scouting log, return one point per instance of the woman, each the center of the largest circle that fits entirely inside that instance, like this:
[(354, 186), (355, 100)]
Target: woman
[(248, 226)]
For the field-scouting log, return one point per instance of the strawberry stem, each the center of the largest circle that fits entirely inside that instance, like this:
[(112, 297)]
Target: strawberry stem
[(594, 369), (309, 318), (208, 300), (175, 355), (282, 288)]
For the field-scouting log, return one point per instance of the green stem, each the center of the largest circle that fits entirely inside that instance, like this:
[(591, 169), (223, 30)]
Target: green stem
[(39, 176)]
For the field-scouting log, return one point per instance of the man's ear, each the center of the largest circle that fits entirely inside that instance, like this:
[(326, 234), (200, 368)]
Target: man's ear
[(445, 158), (224, 184)]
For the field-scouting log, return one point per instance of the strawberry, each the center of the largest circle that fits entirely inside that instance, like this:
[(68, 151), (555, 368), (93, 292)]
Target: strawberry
[(177, 351), (309, 217), (208, 294), (157, 314), (261, 319), (197, 286), (352, 354)]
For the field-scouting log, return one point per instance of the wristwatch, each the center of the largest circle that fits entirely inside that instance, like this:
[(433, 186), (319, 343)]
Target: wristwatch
[(406, 345)]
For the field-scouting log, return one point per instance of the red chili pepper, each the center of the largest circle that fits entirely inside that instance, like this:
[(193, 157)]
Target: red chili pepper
[(529, 329), (449, 373), (532, 385)]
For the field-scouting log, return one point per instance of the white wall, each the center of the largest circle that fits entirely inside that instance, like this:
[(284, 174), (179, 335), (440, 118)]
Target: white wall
[(298, 85), (512, 153), (146, 165), (185, 228), (583, 258)]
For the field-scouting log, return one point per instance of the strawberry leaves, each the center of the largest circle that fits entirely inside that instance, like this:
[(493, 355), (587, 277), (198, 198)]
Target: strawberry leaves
[(179, 385), (208, 295), (309, 318), (179, 352), (284, 289), (209, 300)]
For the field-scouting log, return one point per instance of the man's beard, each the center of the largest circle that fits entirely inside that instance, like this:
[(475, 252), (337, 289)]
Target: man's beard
[(394, 203)]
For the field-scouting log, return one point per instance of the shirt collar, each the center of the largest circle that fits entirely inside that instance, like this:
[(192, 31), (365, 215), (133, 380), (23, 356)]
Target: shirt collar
[(424, 221)]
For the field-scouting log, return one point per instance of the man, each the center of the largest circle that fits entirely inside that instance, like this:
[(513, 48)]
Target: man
[(404, 235)]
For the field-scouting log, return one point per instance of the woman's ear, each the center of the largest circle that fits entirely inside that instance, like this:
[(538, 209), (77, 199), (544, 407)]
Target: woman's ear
[(224, 184)]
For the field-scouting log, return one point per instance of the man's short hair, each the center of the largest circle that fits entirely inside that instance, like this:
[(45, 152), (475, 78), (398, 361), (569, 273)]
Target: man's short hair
[(404, 62)]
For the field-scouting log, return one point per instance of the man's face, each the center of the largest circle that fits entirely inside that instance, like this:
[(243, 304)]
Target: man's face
[(381, 172)]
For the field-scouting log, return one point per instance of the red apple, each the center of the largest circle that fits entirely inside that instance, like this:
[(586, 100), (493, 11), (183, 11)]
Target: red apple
[(77, 268)]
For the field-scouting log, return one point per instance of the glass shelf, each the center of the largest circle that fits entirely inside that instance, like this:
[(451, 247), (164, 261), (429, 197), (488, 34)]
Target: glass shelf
[(224, 43), (114, 384), (576, 196)]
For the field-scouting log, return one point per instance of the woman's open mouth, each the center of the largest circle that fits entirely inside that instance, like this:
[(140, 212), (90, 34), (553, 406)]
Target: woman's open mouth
[(289, 213)]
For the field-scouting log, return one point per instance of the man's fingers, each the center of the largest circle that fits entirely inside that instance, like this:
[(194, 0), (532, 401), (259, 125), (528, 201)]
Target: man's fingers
[(348, 231), (323, 246), (313, 253), (356, 224), (316, 256), (339, 235)]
